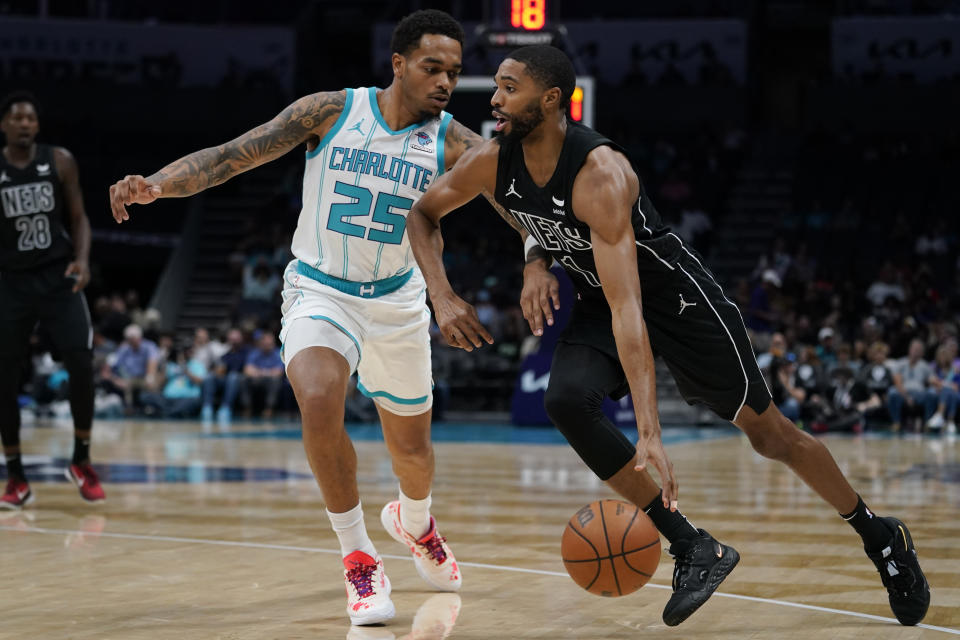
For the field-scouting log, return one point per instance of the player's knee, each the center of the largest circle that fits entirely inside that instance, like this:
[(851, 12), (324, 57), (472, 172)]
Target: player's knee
[(317, 398), (416, 450), (567, 405), (777, 439)]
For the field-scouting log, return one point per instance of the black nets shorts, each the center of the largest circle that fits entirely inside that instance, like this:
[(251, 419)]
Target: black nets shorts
[(42, 295), (697, 331)]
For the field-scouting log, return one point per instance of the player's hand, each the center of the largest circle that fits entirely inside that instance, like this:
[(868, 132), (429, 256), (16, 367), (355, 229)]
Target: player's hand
[(458, 322), (650, 451), (80, 271), (540, 289), (131, 190)]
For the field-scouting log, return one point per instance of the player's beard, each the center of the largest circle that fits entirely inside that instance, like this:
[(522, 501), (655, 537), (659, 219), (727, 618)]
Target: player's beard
[(523, 123)]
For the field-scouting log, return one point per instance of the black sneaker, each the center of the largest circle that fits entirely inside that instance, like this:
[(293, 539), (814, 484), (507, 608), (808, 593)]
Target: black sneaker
[(701, 565), (901, 575)]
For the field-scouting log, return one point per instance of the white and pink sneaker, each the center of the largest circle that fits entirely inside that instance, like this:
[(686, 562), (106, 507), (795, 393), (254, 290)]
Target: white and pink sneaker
[(368, 590), (431, 555)]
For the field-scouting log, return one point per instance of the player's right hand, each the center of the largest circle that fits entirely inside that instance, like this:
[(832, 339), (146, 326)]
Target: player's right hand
[(540, 289), (131, 190), (458, 322), (650, 451)]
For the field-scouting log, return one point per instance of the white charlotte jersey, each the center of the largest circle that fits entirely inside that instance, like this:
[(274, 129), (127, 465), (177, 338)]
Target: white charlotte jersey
[(358, 186)]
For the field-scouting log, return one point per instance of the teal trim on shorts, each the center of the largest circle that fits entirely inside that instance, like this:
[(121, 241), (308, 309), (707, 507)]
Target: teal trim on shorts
[(390, 396), (336, 125), (372, 289), (339, 326)]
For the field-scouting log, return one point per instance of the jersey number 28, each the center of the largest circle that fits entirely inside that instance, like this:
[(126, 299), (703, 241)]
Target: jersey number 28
[(34, 232)]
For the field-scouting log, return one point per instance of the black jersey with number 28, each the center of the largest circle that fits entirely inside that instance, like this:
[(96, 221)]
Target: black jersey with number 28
[(32, 232), (547, 212)]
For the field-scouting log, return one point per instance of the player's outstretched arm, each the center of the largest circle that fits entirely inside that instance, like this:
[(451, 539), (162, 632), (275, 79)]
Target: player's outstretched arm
[(603, 197), (306, 119), (540, 287), (475, 172)]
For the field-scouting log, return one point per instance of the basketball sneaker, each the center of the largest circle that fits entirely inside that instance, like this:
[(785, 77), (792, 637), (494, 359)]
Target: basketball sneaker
[(901, 574), (16, 495), (368, 590), (701, 565), (87, 482), (431, 555)]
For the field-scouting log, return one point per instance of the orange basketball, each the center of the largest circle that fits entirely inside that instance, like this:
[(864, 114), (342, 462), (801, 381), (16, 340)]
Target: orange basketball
[(610, 548)]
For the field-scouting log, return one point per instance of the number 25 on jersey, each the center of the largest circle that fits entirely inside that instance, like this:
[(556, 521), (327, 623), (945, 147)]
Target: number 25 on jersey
[(384, 212)]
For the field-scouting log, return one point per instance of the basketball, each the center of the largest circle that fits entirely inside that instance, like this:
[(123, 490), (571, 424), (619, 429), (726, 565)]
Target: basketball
[(610, 548)]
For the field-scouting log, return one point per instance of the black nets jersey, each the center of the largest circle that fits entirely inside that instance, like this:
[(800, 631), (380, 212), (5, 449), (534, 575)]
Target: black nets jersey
[(547, 213), (32, 233)]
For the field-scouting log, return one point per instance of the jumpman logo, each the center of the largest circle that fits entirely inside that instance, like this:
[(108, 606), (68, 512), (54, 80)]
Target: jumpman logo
[(512, 191), (4, 177), (357, 128), (684, 304)]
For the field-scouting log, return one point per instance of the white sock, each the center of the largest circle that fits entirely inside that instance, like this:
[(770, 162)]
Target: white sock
[(415, 515), (351, 532)]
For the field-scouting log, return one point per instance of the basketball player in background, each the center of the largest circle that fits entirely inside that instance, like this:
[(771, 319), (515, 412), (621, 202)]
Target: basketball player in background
[(43, 270), (353, 299), (581, 199)]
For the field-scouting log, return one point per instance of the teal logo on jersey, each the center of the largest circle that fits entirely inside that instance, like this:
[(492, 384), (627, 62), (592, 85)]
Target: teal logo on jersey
[(356, 127)]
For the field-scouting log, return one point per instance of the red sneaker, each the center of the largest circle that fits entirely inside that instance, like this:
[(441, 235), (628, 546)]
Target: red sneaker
[(87, 482), (16, 495)]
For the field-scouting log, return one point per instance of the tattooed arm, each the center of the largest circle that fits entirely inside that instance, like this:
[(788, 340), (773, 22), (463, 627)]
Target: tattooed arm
[(306, 120), (460, 139)]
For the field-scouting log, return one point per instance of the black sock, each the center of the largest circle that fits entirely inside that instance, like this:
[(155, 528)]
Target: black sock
[(875, 534), (672, 524), (15, 466), (81, 450)]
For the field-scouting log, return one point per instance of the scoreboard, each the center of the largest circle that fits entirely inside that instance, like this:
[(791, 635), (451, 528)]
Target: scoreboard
[(509, 24), (515, 23)]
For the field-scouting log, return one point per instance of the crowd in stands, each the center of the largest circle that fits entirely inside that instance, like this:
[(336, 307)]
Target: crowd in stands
[(141, 371), (857, 314)]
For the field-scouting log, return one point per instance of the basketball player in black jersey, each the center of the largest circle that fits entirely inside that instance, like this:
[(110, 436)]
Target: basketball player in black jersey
[(42, 274), (640, 290)]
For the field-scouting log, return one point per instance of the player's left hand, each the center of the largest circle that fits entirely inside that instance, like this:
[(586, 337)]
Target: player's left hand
[(458, 322), (540, 289), (80, 272)]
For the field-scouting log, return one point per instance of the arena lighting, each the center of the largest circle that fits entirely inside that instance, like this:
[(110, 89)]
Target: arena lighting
[(576, 104)]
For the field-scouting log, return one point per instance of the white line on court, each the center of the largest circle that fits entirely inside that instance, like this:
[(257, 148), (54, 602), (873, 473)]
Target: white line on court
[(478, 565)]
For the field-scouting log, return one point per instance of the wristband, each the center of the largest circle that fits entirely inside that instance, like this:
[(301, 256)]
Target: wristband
[(529, 244)]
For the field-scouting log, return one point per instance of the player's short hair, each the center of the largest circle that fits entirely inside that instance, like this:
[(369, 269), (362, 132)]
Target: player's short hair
[(550, 67), (16, 97), (407, 34)]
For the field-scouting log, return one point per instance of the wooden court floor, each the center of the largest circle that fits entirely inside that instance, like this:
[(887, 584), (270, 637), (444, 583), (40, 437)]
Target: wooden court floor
[(222, 536)]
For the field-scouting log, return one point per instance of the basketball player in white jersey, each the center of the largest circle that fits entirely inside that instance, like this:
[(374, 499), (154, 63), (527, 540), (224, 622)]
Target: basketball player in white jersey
[(354, 299)]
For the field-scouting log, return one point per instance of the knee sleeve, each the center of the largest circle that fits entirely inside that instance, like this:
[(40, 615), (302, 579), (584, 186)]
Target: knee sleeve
[(575, 409)]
